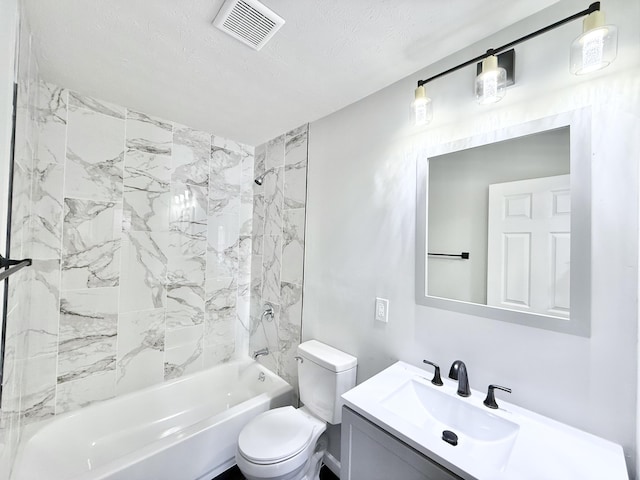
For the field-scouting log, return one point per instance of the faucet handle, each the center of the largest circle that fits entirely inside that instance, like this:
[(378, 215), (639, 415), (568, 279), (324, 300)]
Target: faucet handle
[(490, 401), (267, 311), (436, 376)]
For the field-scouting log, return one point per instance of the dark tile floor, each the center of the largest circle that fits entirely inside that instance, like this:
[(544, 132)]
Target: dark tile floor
[(234, 474)]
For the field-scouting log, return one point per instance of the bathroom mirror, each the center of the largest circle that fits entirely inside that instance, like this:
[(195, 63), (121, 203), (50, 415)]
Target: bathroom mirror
[(503, 224)]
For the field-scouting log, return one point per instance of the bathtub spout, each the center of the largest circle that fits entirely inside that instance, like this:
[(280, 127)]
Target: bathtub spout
[(260, 353)]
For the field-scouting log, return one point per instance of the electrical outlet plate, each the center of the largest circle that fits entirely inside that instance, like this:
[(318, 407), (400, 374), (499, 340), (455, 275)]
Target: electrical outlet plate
[(382, 310)]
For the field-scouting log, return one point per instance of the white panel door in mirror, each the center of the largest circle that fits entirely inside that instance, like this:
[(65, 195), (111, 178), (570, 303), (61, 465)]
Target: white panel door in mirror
[(530, 219)]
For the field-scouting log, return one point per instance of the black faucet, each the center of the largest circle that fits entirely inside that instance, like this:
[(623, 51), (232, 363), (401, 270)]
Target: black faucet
[(458, 371)]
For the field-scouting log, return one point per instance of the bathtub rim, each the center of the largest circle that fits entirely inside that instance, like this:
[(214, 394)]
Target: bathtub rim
[(281, 389), (33, 428)]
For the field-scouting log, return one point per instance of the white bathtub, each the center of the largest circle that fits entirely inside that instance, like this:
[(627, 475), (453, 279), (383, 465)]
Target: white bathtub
[(185, 429)]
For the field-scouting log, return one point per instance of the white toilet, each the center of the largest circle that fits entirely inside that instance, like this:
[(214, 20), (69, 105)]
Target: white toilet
[(285, 443)]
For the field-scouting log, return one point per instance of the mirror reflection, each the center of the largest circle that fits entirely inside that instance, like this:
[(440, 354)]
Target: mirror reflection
[(508, 205)]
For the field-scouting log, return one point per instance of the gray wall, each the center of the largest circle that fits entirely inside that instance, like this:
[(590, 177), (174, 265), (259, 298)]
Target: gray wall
[(361, 231), (459, 200)]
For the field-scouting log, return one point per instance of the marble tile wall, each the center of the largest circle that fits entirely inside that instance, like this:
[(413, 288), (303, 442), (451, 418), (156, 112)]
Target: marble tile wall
[(153, 251), (142, 241), (17, 388), (278, 249)]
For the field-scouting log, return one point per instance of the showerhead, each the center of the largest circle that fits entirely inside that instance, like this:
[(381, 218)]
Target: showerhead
[(260, 178)]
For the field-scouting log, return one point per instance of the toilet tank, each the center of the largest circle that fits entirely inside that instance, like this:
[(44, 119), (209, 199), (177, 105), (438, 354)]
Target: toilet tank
[(324, 374)]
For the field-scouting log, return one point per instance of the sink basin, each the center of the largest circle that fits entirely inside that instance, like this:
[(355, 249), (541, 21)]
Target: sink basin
[(509, 443), (481, 434), (428, 408)]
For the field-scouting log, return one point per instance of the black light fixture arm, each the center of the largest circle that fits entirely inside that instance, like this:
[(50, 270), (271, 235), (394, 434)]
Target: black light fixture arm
[(594, 7)]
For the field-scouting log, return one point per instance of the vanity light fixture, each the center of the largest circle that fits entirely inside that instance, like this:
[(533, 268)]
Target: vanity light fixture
[(422, 107), (594, 49), (491, 84)]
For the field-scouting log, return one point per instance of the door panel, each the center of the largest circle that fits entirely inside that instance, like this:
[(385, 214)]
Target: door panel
[(529, 240)]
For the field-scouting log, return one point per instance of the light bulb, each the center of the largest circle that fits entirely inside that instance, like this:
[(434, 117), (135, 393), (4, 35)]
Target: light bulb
[(422, 110), (491, 84), (596, 48)]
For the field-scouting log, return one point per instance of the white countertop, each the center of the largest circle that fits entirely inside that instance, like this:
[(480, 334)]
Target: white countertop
[(543, 449)]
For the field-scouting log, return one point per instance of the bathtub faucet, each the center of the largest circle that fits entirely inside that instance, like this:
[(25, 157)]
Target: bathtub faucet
[(260, 353)]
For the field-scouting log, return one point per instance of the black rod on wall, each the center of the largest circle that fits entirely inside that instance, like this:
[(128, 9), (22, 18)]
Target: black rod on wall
[(463, 255), (594, 7), (12, 266), (5, 300)]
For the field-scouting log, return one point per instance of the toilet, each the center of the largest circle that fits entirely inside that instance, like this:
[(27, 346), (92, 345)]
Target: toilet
[(287, 443)]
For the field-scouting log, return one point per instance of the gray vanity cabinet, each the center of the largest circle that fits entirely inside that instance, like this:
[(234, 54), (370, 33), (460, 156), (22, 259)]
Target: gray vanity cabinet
[(370, 453)]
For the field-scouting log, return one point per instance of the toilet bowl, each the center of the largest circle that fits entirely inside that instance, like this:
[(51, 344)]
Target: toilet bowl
[(288, 443), (280, 445)]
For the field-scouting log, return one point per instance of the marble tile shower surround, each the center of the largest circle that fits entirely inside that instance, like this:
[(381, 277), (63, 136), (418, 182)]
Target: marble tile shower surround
[(279, 207), (142, 239)]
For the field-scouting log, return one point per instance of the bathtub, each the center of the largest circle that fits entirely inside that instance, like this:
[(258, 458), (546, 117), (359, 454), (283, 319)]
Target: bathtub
[(184, 429)]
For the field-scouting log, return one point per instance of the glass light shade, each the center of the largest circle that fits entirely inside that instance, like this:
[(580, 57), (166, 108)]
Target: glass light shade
[(421, 108), (491, 84), (596, 48)]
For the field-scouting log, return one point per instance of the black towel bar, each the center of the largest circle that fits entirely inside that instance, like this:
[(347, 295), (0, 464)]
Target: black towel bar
[(12, 265), (463, 255)]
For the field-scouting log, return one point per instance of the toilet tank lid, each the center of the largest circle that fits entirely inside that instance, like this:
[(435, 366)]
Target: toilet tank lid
[(326, 356)]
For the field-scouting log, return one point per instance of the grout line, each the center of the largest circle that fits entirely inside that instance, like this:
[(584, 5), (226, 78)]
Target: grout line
[(206, 284), (122, 259), (61, 250), (304, 228)]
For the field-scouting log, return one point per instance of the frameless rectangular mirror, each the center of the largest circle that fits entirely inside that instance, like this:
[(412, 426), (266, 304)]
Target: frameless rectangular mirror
[(503, 224)]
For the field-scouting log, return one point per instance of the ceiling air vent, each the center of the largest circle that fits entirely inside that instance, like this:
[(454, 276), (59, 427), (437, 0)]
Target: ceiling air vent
[(248, 21)]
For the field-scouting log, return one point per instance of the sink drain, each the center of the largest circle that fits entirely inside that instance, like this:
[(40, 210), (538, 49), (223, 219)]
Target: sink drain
[(450, 437)]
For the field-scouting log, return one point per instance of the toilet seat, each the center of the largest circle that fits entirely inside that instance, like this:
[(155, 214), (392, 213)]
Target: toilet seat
[(275, 436)]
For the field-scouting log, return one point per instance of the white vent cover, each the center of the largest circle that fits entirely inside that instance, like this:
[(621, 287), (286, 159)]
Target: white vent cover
[(248, 21)]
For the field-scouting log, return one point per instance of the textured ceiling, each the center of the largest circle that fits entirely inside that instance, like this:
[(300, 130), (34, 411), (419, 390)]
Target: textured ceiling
[(164, 57)]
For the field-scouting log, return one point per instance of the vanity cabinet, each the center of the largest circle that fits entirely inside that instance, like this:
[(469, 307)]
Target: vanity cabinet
[(370, 453)]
